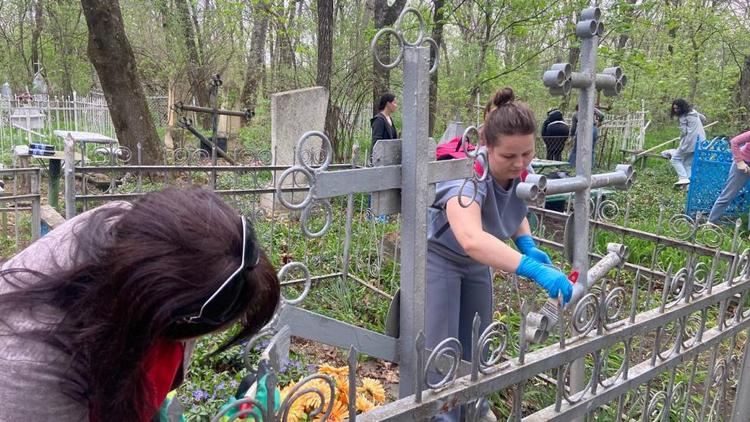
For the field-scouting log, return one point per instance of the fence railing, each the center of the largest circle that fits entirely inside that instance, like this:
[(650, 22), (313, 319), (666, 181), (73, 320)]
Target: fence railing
[(20, 209), (34, 120)]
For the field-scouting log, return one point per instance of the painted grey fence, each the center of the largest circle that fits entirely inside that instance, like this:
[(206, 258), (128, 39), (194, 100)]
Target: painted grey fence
[(20, 208), (650, 344)]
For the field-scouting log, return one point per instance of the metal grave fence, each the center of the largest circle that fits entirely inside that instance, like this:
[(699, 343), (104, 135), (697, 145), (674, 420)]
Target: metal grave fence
[(712, 162), (661, 339), (20, 209), (658, 332), (35, 118)]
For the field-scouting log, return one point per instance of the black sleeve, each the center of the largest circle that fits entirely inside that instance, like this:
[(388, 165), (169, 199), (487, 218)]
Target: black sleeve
[(544, 127), (379, 129)]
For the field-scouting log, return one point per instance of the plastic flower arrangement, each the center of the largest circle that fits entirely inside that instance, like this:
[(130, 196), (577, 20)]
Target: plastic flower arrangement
[(368, 395)]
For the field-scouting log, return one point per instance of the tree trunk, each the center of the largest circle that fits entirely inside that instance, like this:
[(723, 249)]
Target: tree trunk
[(36, 34), (197, 77), (110, 52), (284, 65), (62, 36), (325, 63), (325, 43), (256, 66), (696, 67), (384, 15), (743, 93), (437, 35), (622, 41)]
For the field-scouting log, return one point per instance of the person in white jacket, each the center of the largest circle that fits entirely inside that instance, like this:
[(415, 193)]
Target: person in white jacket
[(691, 131)]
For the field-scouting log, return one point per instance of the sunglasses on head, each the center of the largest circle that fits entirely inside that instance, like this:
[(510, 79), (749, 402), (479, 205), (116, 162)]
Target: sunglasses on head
[(222, 303)]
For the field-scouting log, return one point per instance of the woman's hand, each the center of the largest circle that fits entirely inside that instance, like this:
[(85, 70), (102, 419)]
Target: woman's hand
[(549, 277), (527, 246)]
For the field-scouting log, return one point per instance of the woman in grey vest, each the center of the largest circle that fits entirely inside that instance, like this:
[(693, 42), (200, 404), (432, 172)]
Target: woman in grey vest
[(465, 242)]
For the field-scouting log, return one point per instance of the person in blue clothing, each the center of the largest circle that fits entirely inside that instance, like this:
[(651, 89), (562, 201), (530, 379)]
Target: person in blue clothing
[(464, 243)]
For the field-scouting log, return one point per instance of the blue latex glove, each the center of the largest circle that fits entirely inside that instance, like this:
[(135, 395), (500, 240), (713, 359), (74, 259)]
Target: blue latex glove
[(527, 246), (550, 278)]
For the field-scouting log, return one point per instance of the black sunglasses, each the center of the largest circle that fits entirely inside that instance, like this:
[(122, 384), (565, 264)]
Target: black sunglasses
[(222, 302)]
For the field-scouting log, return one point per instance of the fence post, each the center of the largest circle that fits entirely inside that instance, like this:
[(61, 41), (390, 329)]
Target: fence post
[(75, 112), (414, 193), (741, 408), (36, 220), (70, 178)]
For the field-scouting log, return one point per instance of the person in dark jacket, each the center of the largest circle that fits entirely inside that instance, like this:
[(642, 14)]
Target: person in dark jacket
[(555, 134), (382, 123)]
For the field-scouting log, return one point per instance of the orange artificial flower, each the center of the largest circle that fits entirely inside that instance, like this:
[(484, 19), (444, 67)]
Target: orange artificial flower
[(374, 389)]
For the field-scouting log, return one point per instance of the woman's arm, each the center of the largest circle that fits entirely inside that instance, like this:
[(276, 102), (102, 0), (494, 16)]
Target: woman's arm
[(524, 229), (737, 142), (483, 247)]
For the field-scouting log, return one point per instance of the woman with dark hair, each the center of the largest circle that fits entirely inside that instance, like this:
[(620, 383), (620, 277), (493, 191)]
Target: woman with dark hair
[(98, 316), (464, 242), (691, 131), (382, 123)]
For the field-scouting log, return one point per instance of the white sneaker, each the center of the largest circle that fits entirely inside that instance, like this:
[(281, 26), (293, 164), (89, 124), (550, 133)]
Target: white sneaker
[(488, 417), (682, 181)]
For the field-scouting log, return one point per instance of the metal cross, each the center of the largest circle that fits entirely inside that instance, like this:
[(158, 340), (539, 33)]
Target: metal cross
[(186, 123), (415, 175), (560, 79)]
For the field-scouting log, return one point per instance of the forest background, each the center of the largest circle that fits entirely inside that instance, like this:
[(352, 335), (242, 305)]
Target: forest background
[(694, 49)]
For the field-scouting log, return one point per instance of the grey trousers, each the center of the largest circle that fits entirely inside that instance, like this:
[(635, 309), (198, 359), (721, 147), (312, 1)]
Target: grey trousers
[(454, 292), (735, 182)]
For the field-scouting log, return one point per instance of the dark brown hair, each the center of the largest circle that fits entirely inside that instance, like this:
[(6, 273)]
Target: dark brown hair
[(140, 271), (503, 115), (683, 107)]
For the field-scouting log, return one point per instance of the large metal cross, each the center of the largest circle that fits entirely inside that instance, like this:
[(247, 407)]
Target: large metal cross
[(560, 79), (415, 176)]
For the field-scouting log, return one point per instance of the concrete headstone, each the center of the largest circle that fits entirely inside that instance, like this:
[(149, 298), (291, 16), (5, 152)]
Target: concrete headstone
[(292, 114), (453, 130)]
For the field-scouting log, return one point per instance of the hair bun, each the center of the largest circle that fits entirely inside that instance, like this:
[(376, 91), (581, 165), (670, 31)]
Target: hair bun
[(503, 97)]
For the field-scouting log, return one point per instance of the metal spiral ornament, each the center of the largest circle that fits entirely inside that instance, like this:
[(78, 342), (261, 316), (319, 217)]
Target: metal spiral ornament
[(710, 235), (477, 154), (603, 365), (608, 211), (308, 281), (495, 332), (450, 349), (614, 305), (308, 170), (299, 390), (681, 226), (398, 32), (585, 314)]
